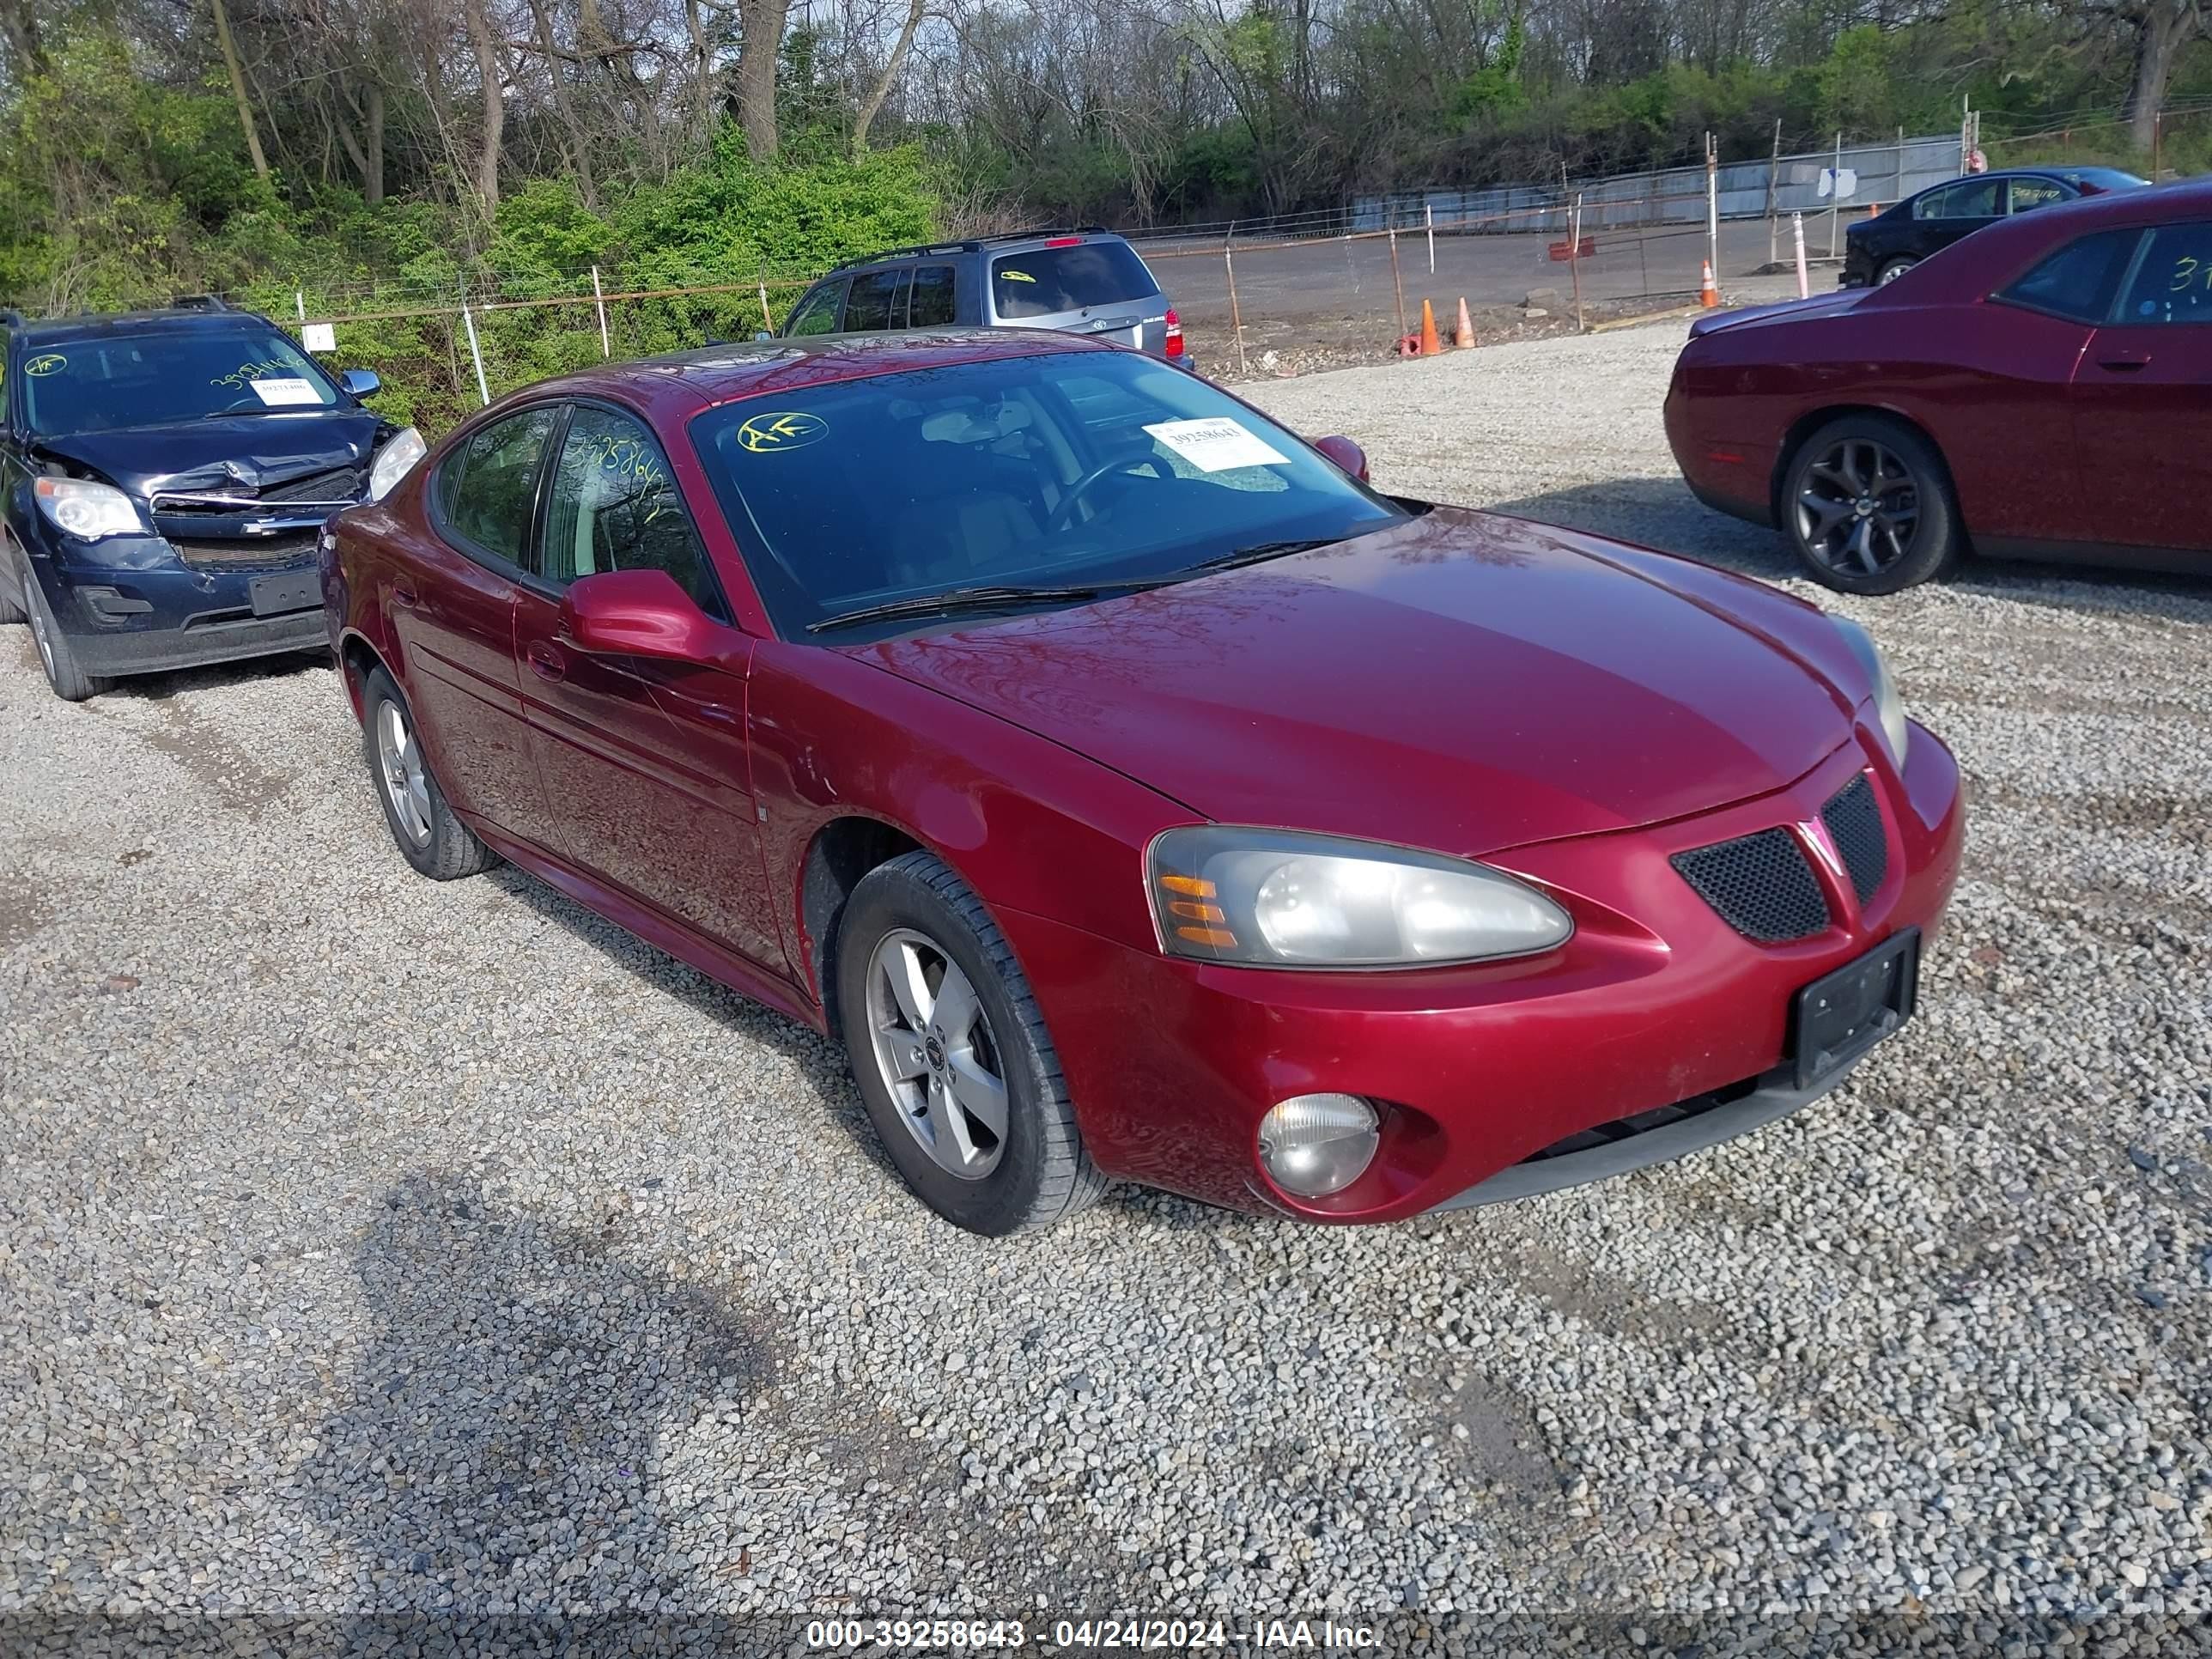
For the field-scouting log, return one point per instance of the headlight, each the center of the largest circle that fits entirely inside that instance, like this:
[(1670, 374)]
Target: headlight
[(88, 511), (392, 461), (1887, 703), (1282, 899)]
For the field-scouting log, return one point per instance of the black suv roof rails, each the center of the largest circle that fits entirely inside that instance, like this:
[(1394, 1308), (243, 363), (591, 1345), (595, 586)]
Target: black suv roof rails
[(972, 244), (200, 302)]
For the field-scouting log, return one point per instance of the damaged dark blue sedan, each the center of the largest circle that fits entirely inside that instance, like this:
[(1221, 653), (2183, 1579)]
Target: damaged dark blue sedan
[(165, 476)]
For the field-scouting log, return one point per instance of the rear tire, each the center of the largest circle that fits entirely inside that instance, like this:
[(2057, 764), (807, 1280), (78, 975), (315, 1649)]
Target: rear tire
[(957, 1042), (1867, 502), (70, 682), (430, 836)]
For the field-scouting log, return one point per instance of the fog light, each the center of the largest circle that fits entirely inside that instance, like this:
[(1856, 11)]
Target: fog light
[(1316, 1145)]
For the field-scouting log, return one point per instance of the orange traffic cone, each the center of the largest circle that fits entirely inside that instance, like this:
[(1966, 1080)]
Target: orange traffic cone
[(1430, 344), (1464, 337), (1708, 295)]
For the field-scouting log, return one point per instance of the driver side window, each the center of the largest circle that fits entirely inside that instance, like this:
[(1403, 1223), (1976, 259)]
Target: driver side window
[(614, 507)]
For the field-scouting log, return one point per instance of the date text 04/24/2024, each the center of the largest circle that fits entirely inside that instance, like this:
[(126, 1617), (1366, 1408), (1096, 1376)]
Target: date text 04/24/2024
[(1177, 1634)]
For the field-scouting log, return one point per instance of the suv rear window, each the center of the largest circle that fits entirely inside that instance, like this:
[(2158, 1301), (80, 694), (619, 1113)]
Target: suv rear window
[(1047, 281)]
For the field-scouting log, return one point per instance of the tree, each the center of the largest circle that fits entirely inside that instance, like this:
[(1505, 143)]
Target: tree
[(238, 90)]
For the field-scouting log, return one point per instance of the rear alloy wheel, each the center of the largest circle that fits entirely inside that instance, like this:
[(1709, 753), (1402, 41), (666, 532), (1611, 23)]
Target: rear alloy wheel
[(433, 840), (952, 1055), (1895, 269), (1869, 506)]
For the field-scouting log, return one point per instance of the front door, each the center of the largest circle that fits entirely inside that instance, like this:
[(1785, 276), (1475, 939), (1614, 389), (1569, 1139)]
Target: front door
[(2142, 399), (646, 759), (451, 600)]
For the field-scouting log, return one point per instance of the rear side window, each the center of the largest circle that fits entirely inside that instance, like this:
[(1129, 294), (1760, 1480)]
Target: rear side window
[(817, 312), (1047, 281), (1970, 198), (487, 488), (930, 303), (2077, 281), (878, 301), (2172, 283)]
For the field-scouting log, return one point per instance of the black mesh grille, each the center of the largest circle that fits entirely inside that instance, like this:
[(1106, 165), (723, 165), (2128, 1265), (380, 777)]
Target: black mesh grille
[(1854, 821), (339, 484), (1760, 884), (282, 548)]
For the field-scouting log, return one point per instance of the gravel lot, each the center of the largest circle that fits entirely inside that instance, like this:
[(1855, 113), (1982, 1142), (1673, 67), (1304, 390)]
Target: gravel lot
[(368, 1245)]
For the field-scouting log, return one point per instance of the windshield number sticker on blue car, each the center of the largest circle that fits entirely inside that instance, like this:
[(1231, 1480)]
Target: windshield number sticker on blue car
[(282, 391), (1216, 446), (46, 363)]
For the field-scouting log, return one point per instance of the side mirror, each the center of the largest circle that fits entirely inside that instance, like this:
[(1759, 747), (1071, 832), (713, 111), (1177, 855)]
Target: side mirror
[(762, 334), (639, 613), (1345, 453), (360, 382)]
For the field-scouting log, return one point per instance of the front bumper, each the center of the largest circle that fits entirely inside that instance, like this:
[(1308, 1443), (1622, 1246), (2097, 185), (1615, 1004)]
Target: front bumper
[(142, 611), (1656, 1003)]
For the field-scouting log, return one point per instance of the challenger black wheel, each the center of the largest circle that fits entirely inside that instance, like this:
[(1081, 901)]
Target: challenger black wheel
[(1869, 506)]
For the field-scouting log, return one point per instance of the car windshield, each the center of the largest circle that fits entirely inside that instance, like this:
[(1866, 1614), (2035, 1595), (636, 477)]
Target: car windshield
[(1048, 281), (1061, 471), (163, 376)]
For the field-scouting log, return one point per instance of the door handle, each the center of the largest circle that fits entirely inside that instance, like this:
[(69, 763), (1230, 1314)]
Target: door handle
[(2125, 362), (403, 595), (545, 662)]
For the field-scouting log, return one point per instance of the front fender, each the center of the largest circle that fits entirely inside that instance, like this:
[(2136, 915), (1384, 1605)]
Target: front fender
[(1030, 825)]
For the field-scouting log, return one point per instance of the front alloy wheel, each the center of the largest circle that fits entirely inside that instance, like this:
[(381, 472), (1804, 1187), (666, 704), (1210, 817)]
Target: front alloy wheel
[(936, 1054), (1869, 505)]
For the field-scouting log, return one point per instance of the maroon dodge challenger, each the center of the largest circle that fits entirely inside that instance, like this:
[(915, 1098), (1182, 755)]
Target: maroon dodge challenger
[(1134, 791), (2038, 390)]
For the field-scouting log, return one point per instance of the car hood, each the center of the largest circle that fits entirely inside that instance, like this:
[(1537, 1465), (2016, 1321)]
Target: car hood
[(244, 455), (1462, 682), (1820, 304)]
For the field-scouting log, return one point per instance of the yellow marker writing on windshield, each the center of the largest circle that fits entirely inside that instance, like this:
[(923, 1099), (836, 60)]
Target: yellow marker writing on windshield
[(786, 429), (45, 364)]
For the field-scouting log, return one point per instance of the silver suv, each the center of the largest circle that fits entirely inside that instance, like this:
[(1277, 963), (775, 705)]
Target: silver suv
[(1078, 282)]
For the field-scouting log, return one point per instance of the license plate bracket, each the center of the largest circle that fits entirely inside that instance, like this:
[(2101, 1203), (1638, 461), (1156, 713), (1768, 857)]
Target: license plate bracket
[(284, 591), (1839, 1016)]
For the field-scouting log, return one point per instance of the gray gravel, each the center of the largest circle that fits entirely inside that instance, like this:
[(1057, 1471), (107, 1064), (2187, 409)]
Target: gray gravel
[(370, 1245)]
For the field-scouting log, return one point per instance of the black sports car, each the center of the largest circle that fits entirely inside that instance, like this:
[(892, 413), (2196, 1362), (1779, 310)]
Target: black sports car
[(1880, 249), (164, 478)]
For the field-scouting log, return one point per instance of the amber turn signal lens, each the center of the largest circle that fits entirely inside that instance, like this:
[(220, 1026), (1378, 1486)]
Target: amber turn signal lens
[(1190, 884), (1195, 912), (1216, 936)]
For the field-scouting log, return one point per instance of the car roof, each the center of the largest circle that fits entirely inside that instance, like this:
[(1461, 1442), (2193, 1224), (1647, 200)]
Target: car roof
[(682, 383), (180, 320), (1011, 242), (1970, 266)]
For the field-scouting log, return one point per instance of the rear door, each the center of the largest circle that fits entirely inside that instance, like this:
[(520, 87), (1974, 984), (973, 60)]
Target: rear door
[(647, 758), (450, 599), (2142, 398), (1943, 216), (1080, 285)]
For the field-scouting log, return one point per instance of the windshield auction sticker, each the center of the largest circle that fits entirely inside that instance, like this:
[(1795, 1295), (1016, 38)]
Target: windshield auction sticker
[(1216, 446), (281, 391), (771, 435)]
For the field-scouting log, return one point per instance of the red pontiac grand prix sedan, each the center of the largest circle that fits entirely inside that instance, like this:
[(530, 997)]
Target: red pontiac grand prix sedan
[(1133, 790), (2038, 390)]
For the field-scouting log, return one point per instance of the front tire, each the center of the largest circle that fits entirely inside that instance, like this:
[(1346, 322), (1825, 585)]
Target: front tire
[(11, 611), (430, 836), (56, 654), (1890, 272), (1868, 505), (951, 1054)]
